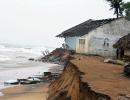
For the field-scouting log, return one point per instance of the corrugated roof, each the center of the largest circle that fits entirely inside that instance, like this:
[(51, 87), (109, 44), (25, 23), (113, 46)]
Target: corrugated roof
[(85, 27)]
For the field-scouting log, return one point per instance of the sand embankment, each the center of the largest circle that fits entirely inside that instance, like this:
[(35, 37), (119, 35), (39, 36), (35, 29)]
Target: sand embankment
[(83, 78), (89, 78)]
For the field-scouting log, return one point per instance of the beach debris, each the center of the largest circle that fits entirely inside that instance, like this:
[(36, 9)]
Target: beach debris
[(29, 80), (37, 76), (13, 82), (47, 77), (31, 59), (112, 61), (124, 97), (47, 73), (57, 56), (108, 60)]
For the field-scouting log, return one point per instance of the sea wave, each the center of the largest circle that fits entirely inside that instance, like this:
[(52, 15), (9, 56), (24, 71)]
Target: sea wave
[(15, 54), (4, 58), (24, 49)]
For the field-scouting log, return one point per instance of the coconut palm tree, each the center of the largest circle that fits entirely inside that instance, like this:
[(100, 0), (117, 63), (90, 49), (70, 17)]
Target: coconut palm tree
[(117, 6), (126, 7)]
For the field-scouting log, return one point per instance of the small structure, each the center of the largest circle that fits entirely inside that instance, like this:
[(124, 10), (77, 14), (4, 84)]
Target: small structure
[(96, 37), (123, 45), (127, 70)]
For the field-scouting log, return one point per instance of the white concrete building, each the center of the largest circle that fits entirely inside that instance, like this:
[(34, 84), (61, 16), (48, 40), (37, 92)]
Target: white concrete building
[(96, 37)]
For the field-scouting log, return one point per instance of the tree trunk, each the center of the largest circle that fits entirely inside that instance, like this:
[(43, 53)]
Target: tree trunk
[(117, 13)]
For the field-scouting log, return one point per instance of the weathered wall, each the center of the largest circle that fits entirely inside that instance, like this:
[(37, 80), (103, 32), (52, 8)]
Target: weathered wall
[(100, 41), (127, 52), (71, 42), (102, 44), (70, 87)]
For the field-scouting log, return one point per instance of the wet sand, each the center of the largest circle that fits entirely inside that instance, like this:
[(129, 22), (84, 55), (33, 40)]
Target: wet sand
[(26, 92)]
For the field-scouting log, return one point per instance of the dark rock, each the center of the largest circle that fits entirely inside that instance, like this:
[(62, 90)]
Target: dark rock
[(31, 59), (47, 73)]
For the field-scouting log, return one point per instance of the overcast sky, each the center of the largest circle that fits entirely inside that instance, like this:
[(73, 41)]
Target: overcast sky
[(37, 22)]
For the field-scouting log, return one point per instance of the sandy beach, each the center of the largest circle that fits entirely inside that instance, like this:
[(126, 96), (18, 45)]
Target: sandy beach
[(26, 92)]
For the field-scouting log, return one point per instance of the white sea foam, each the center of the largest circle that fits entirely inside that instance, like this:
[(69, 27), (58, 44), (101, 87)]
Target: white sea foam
[(24, 49), (14, 62), (4, 58)]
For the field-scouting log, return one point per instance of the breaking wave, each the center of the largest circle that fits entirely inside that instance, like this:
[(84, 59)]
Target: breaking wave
[(4, 58)]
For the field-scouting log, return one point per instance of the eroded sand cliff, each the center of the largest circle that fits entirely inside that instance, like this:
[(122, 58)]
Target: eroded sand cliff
[(88, 78)]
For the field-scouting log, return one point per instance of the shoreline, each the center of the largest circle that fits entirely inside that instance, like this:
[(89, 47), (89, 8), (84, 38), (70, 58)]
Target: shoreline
[(24, 72), (31, 91), (26, 92), (28, 65), (35, 91)]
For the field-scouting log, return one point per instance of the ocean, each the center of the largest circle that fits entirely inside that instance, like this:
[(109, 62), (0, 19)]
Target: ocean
[(14, 62)]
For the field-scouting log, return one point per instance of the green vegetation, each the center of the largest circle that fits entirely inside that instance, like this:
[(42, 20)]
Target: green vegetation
[(117, 5), (120, 8), (126, 7)]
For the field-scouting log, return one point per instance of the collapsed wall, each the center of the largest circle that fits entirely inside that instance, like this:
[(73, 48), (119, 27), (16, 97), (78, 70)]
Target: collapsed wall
[(71, 87)]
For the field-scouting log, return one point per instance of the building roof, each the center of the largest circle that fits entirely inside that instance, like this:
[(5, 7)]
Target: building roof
[(85, 27), (123, 42)]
